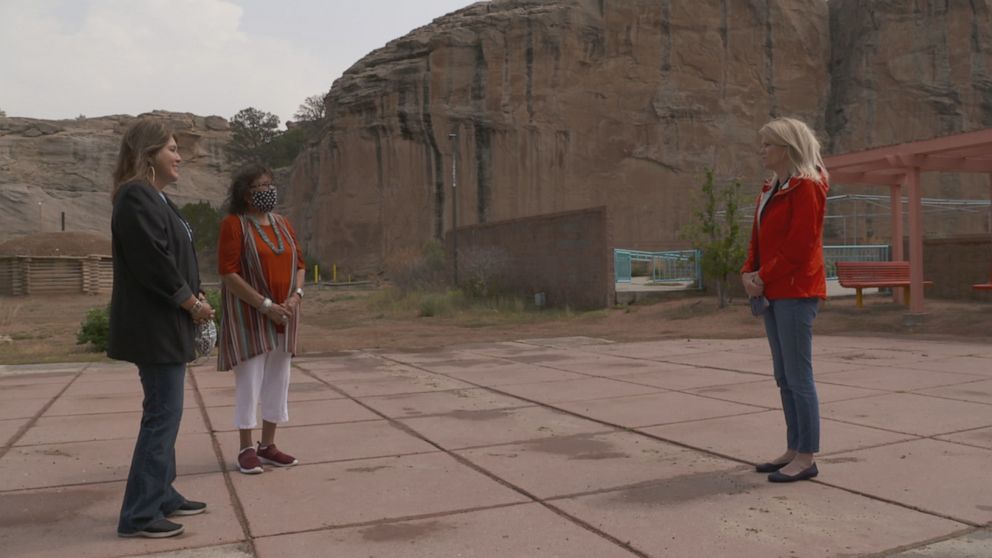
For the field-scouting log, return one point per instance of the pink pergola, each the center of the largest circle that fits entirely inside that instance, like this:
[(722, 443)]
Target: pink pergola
[(900, 166)]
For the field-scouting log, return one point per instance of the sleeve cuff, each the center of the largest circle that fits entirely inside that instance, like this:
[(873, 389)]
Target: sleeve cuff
[(182, 295)]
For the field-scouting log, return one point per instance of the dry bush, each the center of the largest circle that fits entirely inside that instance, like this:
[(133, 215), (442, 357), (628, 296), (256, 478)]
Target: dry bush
[(422, 270)]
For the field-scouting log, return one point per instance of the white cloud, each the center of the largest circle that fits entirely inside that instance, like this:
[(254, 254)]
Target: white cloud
[(132, 56)]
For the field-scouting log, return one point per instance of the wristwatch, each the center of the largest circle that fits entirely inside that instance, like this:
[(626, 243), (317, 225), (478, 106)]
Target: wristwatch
[(266, 304), (299, 291)]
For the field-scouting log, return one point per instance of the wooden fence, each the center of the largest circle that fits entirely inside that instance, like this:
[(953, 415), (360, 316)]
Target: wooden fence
[(34, 275)]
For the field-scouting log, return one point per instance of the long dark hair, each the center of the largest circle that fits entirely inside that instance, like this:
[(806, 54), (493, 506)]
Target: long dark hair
[(141, 141), (237, 202)]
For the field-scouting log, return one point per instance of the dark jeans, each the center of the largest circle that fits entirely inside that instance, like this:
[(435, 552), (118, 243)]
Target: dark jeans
[(789, 326), (149, 494)]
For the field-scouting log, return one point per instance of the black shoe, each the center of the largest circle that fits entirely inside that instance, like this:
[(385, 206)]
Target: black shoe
[(805, 474), (189, 507), (769, 467), (158, 529)]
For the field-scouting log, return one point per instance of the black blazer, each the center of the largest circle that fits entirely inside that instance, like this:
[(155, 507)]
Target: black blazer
[(155, 271)]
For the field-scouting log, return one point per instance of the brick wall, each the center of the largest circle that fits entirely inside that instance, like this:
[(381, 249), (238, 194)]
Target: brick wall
[(567, 256)]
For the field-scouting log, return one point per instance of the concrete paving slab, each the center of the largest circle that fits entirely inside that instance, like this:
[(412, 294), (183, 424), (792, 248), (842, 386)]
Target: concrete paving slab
[(76, 463), (891, 357), (569, 465), (568, 342), (655, 350), (740, 514), (336, 442), (464, 429), (577, 390), (512, 373), (12, 392), (976, 392), (81, 521), (765, 393), (301, 413), (49, 370), (977, 544), (23, 408), (337, 494), (758, 437), (8, 428), (441, 402), (656, 408), (109, 403), (83, 387), (723, 360), (210, 377), (682, 377), (603, 365), (939, 477), (897, 379), (910, 413), (106, 426), (526, 530), (962, 364), (409, 382), (981, 437), (221, 551)]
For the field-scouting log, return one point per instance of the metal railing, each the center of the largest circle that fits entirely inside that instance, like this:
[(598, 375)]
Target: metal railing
[(853, 253), (670, 266)]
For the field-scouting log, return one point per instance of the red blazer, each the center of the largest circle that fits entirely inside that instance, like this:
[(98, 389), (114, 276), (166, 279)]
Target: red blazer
[(787, 249)]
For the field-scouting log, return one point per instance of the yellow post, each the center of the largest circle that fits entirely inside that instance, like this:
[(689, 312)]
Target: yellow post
[(316, 274), (334, 273)]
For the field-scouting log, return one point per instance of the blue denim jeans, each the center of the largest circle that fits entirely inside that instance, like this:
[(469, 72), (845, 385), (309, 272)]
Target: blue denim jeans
[(149, 494), (789, 326)]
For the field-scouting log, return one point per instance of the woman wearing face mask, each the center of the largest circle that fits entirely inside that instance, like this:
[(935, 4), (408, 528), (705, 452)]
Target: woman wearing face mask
[(155, 303), (262, 271)]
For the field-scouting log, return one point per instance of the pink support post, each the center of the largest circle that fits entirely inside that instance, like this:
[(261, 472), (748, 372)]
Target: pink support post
[(912, 184), (895, 195)]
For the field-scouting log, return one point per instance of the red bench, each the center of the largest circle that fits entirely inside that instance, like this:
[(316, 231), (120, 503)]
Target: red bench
[(984, 286), (870, 275)]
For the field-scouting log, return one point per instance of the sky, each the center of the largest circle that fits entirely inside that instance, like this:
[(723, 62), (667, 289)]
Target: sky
[(65, 58)]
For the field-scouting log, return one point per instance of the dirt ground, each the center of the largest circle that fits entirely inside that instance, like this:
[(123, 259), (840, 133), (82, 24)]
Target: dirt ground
[(38, 329)]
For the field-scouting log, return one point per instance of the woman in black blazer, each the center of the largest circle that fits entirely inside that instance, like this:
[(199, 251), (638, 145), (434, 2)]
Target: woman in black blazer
[(155, 303)]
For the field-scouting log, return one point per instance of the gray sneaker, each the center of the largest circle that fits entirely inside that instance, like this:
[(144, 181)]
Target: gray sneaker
[(158, 529)]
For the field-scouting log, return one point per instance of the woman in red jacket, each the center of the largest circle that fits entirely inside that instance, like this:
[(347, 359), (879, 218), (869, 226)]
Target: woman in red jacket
[(785, 266)]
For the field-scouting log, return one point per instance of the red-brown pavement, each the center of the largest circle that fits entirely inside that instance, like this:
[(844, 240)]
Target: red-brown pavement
[(562, 447)]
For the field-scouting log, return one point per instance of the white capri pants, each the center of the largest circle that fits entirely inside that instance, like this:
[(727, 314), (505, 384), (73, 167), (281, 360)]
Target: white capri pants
[(262, 379)]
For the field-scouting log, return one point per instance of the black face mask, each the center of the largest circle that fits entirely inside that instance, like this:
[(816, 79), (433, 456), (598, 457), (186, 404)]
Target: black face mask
[(264, 200)]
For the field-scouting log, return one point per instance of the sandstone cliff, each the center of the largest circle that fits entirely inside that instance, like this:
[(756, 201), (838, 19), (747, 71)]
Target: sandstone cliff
[(568, 104), (48, 167)]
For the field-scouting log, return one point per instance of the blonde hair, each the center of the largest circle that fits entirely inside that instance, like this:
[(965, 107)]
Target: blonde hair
[(804, 148), (141, 141)]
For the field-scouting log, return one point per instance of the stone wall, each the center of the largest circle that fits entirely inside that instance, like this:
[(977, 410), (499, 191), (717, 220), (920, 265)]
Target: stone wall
[(568, 256), (955, 264)]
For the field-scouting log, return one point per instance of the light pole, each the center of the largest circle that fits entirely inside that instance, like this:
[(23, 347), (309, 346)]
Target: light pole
[(454, 206)]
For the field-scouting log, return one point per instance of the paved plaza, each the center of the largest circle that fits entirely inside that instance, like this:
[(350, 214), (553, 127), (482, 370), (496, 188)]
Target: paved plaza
[(566, 447)]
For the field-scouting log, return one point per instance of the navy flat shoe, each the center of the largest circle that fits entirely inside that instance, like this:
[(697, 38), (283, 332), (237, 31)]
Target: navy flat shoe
[(769, 467), (805, 474)]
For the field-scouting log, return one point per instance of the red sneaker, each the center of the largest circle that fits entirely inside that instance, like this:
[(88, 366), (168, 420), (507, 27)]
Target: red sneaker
[(271, 455), (248, 462)]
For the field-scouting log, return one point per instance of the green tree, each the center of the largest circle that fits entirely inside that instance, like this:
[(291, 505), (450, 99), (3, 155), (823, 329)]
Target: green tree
[(205, 222), (312, 109), (252, 132), (715, 230)]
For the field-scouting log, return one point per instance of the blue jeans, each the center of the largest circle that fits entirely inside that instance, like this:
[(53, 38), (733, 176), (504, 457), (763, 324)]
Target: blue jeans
[(149, 495), (789, 326)]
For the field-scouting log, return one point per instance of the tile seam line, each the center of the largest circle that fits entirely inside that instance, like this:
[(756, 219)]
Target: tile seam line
[(33, 420), (499, 480), (717, 454), (239, 511)]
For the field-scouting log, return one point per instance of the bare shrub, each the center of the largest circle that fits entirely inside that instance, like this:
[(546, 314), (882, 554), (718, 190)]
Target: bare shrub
[(484, 271), (422, 270)]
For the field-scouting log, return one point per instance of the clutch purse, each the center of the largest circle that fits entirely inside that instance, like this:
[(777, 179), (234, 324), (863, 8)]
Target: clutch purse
[(758, 305), (205, 338)]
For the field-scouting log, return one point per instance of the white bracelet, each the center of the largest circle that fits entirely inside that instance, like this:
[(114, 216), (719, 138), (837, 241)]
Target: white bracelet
[(299, 291), (266, 304), (196, 306)]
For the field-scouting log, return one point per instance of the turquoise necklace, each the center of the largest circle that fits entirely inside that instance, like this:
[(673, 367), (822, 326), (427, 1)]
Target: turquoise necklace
[(276, 250)]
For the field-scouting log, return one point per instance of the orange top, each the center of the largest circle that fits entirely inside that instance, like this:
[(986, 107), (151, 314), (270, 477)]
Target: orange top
[(278, 269)]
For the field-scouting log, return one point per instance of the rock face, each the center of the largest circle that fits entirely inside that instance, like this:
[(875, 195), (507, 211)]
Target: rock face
[(561, 105), (556, 106), (49, 167)]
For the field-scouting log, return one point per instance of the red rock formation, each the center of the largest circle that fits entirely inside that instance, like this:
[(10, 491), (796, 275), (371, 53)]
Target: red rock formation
[(562, 105)]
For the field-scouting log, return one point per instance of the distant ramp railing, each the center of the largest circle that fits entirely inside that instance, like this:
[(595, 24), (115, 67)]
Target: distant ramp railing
[(669, 266)]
